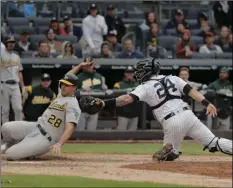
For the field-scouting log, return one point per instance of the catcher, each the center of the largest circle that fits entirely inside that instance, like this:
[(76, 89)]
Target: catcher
[(163, 94)]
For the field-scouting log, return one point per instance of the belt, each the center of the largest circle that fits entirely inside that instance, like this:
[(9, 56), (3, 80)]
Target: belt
[(173, 113), (9, 82), (44, 133)]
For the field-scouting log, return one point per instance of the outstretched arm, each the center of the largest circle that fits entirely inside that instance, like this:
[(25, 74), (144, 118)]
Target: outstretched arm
[(121, 100), (197, 96)]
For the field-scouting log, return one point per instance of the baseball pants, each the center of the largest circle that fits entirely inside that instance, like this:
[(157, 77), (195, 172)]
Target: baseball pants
[(124, 123), (187, 124), (24, 140), (11, 95), (87, 122)]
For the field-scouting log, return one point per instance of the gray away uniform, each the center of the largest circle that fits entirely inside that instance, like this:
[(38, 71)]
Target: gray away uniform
[(25, 140), (10, 66)]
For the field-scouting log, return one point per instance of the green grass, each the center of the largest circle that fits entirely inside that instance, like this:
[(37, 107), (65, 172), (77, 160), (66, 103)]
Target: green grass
[(186, 148), (71, 181)]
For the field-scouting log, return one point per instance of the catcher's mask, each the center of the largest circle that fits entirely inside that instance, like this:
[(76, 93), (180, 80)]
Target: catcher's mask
[(145, 68)]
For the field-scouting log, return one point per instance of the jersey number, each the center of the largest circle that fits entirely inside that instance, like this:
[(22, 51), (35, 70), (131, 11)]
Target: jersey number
[(53, 120), (161, 90)]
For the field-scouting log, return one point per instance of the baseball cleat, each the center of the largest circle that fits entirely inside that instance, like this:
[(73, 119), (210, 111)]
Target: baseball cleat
[(165, 154)]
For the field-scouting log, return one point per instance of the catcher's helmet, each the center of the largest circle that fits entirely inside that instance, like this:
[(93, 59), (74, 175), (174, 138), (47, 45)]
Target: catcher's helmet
[(145, 68)]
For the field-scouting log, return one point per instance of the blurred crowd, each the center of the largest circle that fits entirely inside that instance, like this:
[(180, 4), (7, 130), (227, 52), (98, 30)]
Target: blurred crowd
[(105, 36)]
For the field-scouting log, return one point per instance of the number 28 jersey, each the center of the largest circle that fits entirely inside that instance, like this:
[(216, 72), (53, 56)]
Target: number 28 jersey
[(61, 111), (153, 92)]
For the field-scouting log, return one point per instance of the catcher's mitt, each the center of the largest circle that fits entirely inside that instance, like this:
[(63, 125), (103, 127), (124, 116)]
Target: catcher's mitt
[(90, 105)]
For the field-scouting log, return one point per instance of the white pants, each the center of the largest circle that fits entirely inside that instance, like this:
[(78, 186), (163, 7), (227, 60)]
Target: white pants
[(11, 95), (24, 140), (187, 124)]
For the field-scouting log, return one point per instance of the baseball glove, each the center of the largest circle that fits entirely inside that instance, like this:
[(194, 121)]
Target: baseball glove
[(165, 154), (90, 105)]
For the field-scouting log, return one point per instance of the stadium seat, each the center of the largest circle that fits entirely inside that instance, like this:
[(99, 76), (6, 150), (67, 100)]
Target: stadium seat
[(37, 38), (136, 15), (170, 55), (196, 40), (41, 21), (226, 55), (174, 50), (163, 23), (202, 56), (19, 29), (171, 32), (78, 50), (17, 21), (42, 29), (195, 32), (192, 13), (70, 38), (167, 41), (48, 14), (46, 9), (192, 23)]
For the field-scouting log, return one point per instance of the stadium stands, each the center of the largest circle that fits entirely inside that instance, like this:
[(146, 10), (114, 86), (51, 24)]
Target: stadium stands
[(18, 19)]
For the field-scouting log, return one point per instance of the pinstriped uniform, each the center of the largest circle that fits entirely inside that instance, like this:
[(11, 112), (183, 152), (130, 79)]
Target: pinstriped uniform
[(184, 122)]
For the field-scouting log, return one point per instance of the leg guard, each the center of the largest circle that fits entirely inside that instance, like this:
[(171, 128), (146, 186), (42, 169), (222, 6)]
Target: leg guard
[(220, 144), (224, 145)]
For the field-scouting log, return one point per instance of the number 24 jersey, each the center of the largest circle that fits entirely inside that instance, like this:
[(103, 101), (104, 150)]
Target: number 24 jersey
[(153, 92)]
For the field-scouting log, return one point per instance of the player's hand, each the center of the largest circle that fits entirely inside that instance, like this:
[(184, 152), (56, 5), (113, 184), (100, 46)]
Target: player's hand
[(211, 110), (101, 101), (85, 64), (56, 148)]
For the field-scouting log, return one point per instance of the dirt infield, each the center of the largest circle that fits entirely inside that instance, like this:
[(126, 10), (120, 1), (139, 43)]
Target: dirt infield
[(220, 169), (209, 171)]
